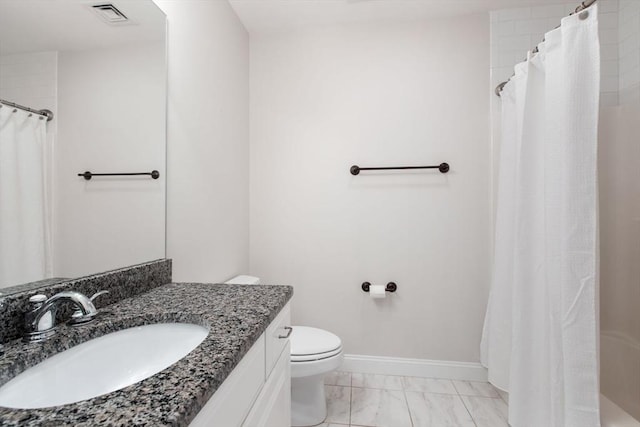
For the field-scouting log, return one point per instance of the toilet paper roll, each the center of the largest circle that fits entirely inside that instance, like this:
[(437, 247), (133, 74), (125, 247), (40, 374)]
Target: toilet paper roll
[(377, 291)]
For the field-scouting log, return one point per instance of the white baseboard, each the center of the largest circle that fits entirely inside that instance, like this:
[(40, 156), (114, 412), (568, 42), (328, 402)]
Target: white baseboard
[(467, 371)]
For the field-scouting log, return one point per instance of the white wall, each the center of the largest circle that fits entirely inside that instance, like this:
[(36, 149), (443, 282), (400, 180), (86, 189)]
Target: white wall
[(629, 34), (619, 181), (323, 100), (108, 223), (208, 141)]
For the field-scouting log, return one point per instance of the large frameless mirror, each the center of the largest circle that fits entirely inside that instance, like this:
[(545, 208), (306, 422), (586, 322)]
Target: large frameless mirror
[(101, 70)]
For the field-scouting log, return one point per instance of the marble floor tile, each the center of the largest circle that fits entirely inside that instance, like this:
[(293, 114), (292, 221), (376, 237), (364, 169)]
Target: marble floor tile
[(332, 425), (428, 385), (379, 408), (338, 378), (338, 404), (475, 388), (504, 395), (387, 382), (486, 411), (437, 410)]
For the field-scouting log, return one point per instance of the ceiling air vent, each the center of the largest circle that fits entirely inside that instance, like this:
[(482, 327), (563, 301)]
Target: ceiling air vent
[(109, 13)]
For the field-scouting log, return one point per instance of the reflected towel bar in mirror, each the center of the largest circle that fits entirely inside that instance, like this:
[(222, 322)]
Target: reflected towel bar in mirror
[(88, 175), (442, 167)]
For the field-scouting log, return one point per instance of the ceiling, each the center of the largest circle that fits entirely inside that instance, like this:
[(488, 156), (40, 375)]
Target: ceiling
[(281, 15), (49, 25)]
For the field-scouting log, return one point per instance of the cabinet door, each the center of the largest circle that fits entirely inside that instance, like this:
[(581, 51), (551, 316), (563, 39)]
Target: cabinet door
[(232, 401), (273, 406)]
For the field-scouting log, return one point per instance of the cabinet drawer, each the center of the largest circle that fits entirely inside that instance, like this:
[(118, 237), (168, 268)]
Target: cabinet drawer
[(277, 338), (232, 401)]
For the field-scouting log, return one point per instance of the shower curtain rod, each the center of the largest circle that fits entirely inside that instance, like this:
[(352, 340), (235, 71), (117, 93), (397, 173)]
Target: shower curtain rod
[(44, 112), (584, 5)]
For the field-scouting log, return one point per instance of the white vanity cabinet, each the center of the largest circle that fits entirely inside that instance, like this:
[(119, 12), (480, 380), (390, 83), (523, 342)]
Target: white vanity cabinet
[(257, 393)]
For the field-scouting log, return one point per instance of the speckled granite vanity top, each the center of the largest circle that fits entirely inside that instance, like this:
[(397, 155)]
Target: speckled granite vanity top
[(236, 316)]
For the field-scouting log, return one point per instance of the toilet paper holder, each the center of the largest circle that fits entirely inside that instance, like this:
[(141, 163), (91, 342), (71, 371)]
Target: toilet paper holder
[(391, 287)]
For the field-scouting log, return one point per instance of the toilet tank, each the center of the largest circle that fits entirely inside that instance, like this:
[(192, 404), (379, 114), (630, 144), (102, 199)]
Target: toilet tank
[(243, 280)]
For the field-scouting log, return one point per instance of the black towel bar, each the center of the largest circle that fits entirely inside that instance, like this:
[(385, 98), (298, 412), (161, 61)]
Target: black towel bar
[(88, 175), (442, 167)]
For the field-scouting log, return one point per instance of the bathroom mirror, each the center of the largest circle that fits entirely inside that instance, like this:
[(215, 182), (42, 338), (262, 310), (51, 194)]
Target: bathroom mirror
[(102, 72)]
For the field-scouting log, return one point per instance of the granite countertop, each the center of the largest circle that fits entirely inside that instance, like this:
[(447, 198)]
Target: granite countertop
[(236, 316)]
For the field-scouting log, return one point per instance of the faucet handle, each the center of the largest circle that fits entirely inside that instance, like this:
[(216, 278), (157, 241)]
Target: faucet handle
[(77, 316), (97, 294), (36, 301), (46, 321), (44, 328)]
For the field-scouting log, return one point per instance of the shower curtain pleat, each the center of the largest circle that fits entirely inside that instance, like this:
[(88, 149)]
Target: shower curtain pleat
[(25, 253), (539, 338)]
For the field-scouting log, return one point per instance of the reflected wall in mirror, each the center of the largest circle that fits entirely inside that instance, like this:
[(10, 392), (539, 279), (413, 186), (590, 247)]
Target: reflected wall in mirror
[(104, 79)]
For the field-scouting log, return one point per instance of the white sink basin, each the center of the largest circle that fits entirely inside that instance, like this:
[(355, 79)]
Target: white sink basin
[(102, 365)]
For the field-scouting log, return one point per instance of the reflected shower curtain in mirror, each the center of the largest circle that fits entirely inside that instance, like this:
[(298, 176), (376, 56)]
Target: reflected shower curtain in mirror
[(539, 338), (25, 253)]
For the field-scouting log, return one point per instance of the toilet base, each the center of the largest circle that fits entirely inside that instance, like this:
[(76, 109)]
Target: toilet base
[(308, 401)]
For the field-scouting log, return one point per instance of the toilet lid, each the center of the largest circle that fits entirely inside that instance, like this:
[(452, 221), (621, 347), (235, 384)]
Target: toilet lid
[(308, 341)]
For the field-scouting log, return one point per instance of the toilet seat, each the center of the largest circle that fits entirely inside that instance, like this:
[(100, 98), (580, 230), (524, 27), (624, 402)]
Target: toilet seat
[(313, 344), (317, 368), (295, 358)]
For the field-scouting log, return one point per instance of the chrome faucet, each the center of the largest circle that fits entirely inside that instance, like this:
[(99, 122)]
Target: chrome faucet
[(39, 321)]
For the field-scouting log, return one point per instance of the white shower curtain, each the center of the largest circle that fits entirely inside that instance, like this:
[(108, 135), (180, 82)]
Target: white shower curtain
[(25, 254), (539, 339)]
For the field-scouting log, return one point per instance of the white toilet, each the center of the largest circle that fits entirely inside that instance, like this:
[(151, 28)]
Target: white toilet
[(314, 353)]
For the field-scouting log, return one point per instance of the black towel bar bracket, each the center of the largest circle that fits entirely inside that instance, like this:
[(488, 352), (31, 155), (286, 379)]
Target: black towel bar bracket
[(88, 175), (442, 167), (391, 287)]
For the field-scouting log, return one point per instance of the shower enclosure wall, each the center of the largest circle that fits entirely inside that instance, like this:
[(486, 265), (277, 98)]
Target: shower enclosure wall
[(619, 174)]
